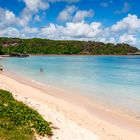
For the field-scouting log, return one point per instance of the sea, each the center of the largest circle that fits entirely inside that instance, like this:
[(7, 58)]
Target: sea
[(111, 80)]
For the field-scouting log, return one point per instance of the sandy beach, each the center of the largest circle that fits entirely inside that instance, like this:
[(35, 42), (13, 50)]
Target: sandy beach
[(72, 122)]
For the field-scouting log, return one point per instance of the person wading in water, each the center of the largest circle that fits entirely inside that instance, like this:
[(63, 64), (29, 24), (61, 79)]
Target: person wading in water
[(1, 68), (41, 70)]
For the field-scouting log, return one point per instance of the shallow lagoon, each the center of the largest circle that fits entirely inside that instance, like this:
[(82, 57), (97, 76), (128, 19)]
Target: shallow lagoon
[(114, 80)]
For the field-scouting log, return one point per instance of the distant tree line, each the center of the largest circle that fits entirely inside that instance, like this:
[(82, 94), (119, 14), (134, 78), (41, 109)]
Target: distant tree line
[(46, 46)]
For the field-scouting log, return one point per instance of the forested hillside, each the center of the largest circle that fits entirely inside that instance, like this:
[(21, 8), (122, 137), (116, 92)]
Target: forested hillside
[(46, 46)]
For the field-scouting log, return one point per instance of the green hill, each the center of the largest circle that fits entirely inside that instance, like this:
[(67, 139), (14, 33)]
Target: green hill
[(46, 46)]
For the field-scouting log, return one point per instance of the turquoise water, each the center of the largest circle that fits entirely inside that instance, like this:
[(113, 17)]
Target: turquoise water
[(114, 80)]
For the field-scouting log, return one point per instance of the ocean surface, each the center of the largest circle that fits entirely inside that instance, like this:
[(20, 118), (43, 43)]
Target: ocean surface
[(112, 80)]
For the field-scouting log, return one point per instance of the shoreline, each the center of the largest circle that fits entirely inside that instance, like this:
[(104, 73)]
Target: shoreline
[(108, 125), (80, 55), (84, 101), (3, 56)]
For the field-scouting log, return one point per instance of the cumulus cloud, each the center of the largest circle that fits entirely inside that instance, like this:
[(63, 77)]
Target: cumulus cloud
[(82, 14), (36, 5), (126, 30), (29, 30), (50, 31), (128, 38), (7, 18), (32, 7), (80, 30), (71, 13), (131, 23), (10, 32), (67, 13), (25, 17)]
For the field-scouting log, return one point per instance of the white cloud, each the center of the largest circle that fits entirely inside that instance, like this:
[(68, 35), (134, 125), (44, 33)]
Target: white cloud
[(126, 30), (10, 32), (67, 13), (80, 30), (32, 7), (25, 17), (36, 5), (49, 31), (29, 30), (128, 38), (82, 14), (131, 23), (71, 13), (10, 16), (7, 18), (125, 9), (37, 18)]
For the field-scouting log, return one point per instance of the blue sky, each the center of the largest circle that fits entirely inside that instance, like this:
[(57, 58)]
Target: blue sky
[(116, 21)]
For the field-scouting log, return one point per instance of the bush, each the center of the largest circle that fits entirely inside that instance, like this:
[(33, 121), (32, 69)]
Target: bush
[(16, 116)]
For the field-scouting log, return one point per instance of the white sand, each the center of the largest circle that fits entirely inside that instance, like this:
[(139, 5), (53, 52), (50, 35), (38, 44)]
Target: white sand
[(74, 122), (64, 129)]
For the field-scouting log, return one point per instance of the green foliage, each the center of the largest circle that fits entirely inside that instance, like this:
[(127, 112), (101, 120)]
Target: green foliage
[(45, 46), (1, 52), (18, 121)]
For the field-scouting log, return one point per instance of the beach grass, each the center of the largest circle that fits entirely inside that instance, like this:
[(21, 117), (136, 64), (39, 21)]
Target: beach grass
[(18, 121)]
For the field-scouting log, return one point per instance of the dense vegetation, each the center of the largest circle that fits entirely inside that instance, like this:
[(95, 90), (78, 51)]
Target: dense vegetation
[(19, 122), (45, 46)]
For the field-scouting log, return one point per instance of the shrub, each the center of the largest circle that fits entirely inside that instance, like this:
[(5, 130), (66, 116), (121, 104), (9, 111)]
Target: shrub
[(16, 116)]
